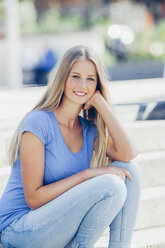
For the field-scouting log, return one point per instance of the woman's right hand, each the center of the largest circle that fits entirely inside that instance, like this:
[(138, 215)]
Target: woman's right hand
[(121, 172)]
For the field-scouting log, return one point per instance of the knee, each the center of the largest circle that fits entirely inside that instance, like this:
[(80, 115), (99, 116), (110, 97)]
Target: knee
[(115, 187), (133, 168)]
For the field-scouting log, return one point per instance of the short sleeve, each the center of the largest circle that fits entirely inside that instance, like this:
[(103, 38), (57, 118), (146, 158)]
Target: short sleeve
[(36, 122)]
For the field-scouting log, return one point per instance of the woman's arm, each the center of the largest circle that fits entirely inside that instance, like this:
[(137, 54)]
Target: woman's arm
[(119, 146), (32, 168)]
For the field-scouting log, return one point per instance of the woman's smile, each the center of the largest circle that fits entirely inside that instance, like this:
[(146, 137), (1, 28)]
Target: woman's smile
[(79, 93)]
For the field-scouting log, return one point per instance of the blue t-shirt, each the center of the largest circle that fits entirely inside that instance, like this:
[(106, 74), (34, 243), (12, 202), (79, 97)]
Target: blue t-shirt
[(60, 162)]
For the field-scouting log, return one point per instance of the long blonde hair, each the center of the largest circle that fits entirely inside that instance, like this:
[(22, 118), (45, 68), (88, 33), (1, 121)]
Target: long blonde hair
[(54, 94)]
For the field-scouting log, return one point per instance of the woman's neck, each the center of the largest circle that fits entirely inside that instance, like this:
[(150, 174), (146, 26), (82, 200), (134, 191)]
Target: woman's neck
[(67, 114)]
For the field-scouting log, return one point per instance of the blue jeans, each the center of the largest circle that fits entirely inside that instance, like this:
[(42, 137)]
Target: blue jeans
[(78, 217)]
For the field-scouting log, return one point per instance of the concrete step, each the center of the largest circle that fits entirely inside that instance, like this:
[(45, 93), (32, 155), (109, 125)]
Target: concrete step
[(4, 176), (152, 166), (151, 207), (15, 103), (9, 125), (147, 135), (5, 139), (147, 238), (129, 91)]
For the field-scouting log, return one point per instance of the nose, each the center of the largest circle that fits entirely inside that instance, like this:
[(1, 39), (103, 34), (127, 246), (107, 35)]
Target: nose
[(83, 82)]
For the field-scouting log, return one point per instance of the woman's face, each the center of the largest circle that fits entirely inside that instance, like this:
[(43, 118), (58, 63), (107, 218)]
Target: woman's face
[(81, 82)]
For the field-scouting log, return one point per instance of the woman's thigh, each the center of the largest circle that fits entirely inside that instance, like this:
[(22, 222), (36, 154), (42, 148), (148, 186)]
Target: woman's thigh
[(55, 223)]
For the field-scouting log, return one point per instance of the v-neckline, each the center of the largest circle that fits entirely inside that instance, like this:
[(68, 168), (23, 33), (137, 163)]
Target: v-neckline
[(58, 126)]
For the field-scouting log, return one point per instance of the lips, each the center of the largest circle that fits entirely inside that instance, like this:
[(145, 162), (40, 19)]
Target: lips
[(79, 93)]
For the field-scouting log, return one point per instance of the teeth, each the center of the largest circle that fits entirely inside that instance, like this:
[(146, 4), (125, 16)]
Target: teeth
[(80, 94)]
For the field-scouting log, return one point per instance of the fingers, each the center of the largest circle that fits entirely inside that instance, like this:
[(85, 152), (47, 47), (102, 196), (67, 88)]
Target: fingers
[(87, 106), (121, 172), (127, 174), (122, 176)]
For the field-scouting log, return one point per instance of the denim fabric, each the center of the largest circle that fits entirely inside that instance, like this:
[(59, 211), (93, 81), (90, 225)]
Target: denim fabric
[(77, 218)]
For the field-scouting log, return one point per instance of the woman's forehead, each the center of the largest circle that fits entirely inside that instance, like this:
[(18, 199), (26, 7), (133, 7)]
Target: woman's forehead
[(85, 66)]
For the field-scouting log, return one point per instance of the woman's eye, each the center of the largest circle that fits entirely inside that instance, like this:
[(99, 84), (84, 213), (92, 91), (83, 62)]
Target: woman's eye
[(91, 79), (75, 76)]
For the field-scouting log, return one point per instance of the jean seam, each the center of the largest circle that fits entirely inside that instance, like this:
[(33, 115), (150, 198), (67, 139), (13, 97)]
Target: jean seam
[(121, 222), (105, 197), (75, 242), (122, 218)]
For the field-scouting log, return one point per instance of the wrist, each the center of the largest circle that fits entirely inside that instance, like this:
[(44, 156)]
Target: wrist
[(88, 173), (93, 172), (98, 100)]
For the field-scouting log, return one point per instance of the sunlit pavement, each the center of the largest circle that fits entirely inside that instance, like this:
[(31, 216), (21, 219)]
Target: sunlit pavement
[(150, 227)]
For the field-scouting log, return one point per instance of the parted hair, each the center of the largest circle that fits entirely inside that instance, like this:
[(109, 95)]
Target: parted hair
[(53, 96)]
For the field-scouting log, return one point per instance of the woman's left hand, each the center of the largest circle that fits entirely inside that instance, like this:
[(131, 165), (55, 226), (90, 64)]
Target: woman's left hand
[(91, 102)]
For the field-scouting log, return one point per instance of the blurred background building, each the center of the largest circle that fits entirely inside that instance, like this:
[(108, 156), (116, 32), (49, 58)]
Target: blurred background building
[(128, 35)]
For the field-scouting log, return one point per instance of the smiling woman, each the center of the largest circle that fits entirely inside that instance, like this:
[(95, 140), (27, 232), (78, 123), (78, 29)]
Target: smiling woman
[(80, 83), (70, 200)]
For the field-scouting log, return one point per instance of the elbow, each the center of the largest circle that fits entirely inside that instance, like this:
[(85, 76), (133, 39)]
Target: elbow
[(130, 156), (33, 207), (31, 203)]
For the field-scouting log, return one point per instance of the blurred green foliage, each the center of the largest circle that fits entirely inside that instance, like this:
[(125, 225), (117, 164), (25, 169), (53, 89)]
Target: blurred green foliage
[(159, 32), (27, 18), (54, 20), (148, 45), (1, 12)]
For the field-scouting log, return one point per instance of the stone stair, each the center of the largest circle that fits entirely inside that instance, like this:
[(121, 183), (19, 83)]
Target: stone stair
[(149, 137)]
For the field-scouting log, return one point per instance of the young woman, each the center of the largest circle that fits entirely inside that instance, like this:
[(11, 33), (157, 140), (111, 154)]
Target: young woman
[(57, 195)]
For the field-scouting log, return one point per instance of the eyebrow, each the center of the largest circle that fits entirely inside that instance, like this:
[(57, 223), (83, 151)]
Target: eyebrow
[(80, 74)]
